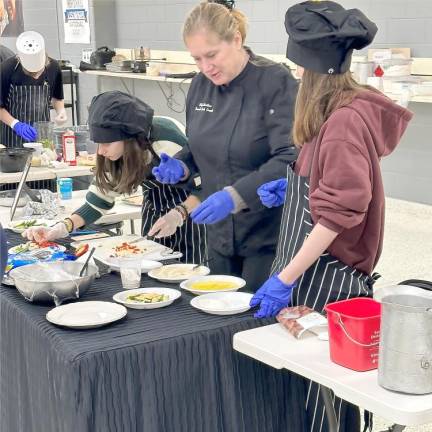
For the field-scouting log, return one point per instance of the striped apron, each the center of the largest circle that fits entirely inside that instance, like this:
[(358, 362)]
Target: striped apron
[(190, 238), (327, 280), (28, 104)]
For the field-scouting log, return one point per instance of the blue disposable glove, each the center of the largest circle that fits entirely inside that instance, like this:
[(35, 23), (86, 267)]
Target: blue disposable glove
[(170, 170), (273, 296), (215, 208), (272, 194), (25, 131)]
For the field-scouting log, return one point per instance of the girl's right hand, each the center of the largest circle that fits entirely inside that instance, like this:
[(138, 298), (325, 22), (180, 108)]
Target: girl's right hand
[(272, 194), (170, 170)]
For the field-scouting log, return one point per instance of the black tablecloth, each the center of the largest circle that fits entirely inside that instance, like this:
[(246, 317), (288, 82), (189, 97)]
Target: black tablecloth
[(164, 370)]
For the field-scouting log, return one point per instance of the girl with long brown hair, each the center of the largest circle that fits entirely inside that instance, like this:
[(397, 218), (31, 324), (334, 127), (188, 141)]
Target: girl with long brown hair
[(125, 130), (332, 225)]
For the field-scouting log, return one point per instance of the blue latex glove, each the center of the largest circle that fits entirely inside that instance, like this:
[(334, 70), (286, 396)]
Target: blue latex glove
[(170, 170), (215, 208), (25, 131), (272, 194), (273, 296)]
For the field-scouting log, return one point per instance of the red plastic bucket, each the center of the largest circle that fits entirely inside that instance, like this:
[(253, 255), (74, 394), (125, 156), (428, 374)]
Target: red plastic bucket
[(354, 330)]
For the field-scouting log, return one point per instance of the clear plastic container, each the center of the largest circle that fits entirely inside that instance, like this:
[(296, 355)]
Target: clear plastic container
[(82, 136)]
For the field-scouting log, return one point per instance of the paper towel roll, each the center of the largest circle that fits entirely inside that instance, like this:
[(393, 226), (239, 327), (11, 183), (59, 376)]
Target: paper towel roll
[(31, 51)]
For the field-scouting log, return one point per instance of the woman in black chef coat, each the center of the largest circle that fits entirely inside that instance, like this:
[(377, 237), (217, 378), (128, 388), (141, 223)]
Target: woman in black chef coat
[(239, 116), (29, 83)]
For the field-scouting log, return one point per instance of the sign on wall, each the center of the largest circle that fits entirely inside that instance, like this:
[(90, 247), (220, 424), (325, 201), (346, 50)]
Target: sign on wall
[(76, 21), (11, 18)]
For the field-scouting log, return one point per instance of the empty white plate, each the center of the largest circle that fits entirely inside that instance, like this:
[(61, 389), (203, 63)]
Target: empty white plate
[(224, 303), (86, 314), (122, 297)]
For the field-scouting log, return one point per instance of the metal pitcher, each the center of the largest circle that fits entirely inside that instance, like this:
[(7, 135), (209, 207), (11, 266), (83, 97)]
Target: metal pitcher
[(405, 352)]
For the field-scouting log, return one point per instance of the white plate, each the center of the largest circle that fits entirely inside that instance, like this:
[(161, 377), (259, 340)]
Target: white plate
[(187, 268), (150, 250), (187, 284), (121, 297), (223, 303), (146, 265), (13, 250), (86, 314), (39, 223)]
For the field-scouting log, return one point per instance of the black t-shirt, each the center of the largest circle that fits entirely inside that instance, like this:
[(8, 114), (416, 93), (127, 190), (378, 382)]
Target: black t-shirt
[(11, 72)]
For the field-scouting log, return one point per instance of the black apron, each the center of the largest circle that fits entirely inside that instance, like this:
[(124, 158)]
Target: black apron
[(28, 104), (190, 238), (326, 281)]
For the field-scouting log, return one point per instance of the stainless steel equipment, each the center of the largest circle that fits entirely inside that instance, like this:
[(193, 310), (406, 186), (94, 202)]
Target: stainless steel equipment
[(405, 353), (53, 281)]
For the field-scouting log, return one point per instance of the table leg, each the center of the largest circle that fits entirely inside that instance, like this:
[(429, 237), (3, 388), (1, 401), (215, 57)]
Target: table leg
[(132, 226), (329, 407)]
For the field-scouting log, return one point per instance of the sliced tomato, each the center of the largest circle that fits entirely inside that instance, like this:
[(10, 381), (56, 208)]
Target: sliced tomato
[(81, 250)]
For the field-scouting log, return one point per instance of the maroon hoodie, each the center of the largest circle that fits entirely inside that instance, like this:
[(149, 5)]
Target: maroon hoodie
[(346, 190)]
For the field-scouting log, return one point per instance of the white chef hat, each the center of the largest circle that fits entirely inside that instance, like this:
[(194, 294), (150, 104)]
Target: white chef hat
[(31, 51)]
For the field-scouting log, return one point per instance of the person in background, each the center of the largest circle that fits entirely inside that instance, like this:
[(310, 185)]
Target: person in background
[(332, 227), (29, 82), (15, 21), (238, 117), (126, 132)]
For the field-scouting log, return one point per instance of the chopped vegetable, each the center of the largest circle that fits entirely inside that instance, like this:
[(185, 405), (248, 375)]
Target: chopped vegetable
[(147, 298), (28, 223)]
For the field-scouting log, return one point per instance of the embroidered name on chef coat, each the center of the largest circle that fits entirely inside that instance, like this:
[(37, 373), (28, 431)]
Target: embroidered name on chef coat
[(204, 107)]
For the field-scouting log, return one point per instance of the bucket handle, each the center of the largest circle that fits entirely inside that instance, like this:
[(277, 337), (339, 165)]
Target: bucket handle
[(351, 338)]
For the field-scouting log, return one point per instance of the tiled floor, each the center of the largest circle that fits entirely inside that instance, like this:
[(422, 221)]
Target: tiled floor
[(407, 254)]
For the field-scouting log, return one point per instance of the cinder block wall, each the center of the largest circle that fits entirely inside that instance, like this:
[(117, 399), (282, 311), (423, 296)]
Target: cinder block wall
[(157, 24)]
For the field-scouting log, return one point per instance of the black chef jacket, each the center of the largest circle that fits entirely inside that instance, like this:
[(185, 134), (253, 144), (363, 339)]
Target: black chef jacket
[(240, 135)]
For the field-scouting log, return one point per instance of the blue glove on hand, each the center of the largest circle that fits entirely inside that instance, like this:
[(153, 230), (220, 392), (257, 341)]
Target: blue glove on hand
[(170, 170), (272, 194), (215, 208), (25, 131), (273, 296)]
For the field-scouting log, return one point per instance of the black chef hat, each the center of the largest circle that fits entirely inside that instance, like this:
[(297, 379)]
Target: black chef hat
[(115, 116), (322, 35)]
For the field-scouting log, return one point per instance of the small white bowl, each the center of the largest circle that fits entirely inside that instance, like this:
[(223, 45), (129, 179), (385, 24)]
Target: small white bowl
[(158, 273), (187, 284), (121, 297)]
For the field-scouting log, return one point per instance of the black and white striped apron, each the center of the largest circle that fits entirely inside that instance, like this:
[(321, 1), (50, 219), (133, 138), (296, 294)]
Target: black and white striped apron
[(327, 280), (190, 238), (28, 104)]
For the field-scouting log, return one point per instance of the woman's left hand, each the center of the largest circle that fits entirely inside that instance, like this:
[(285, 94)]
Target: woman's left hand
[(215, 208), (273, 296)]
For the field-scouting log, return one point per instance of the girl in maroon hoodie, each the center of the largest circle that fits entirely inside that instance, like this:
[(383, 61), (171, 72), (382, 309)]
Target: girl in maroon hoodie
[(332, 226)]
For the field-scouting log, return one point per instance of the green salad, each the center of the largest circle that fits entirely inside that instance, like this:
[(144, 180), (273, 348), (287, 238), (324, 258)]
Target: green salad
[(28, 223), (147, 298)]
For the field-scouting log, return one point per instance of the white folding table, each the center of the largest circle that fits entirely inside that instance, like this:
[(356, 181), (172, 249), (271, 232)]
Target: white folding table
[(310, 358)]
